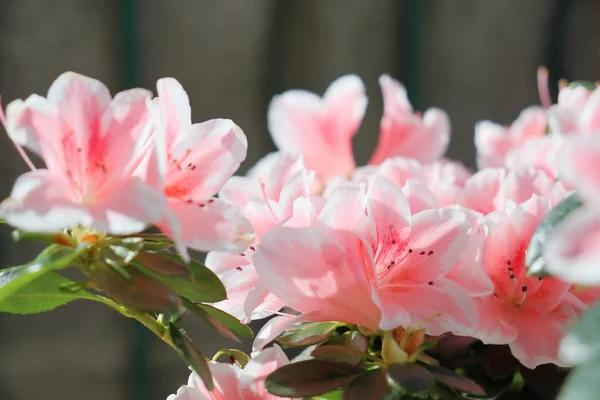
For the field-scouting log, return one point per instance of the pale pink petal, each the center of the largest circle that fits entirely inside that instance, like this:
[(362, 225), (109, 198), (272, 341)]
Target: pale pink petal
[(213, 225), (539, 152), (574, 247), (202, 160), (252, 381), (273, 170), (129, 209), (482, 188), (262, 216), (579, 165), (533, 349), (437, 239), (445, 305), (226, 383), (124, 127), (493, 326), (418, 196), (401, 169), (238, 282), (467, 272), (41, 202), (261, 303), (343, 208), (387, 205), (273, 328), (404, 134), (312, 271), (589, 120), (320, 129), (175, 105)]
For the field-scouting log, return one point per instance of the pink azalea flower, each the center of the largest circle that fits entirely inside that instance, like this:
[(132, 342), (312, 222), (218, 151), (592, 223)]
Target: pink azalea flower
[(404, 133), (288, 203), (527, 313), (496, 189), (321, 129), (574, 248), (195, 162), (577, 112), (365, 242), (494, 142), (234, 383), (539, 153), (91, 145)]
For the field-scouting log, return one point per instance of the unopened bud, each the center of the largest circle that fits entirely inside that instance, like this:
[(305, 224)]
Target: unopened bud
[(391, 351)]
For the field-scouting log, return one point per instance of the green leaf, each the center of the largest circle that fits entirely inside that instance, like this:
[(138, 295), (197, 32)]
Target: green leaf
[(239, 356), (137, 291), (310, 378), (534, 256), (455, 380), (308, 333), (193, 281), (582, 342), (338, 353), (227, 325), (335, 395), (43, 294), (583, 383), (191, 355), (586, 84), (411, 376), (53, 257), (372, 385)]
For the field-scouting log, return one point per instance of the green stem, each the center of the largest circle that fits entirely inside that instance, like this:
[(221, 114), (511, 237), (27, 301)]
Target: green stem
[(145, 319)]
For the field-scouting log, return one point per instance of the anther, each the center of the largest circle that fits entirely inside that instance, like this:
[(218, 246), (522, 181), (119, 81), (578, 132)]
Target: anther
[(410, 250), (524, 288), (252, 248), (430, 253), (422, 253), (238, 268), (430, 283)]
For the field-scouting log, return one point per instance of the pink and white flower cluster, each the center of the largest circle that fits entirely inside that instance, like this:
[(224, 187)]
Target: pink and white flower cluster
[(410, 240), (118, 165)]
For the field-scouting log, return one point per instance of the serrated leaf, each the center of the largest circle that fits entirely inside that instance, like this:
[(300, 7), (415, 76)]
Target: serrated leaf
[(308, 334), (43, 294), (227, 325), (372, 385), (455, 380), (534, 257), (192, 355), (310, 378), (193, 281), (239, 356), (139, 292), (52, 258), (411, 377)]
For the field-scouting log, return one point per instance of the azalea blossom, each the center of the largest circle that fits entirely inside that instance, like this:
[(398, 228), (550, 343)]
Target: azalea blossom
[(365, 242), (573, 250), (522, 306), (234, 383), (496, 189), (277, 191), (321, 128), (577, 112), (195, 161), (495, 142), (91, 145)]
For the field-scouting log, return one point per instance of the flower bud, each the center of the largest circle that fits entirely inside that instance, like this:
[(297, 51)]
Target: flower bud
[(391, 351)]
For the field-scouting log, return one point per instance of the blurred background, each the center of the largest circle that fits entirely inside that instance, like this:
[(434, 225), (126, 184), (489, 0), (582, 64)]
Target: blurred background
[(476, 59)]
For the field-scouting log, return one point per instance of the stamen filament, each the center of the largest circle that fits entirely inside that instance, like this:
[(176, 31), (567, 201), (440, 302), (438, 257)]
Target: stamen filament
[(17, 145)]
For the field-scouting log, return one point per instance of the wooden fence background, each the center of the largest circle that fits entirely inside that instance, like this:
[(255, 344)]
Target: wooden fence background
[(475, 58)]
